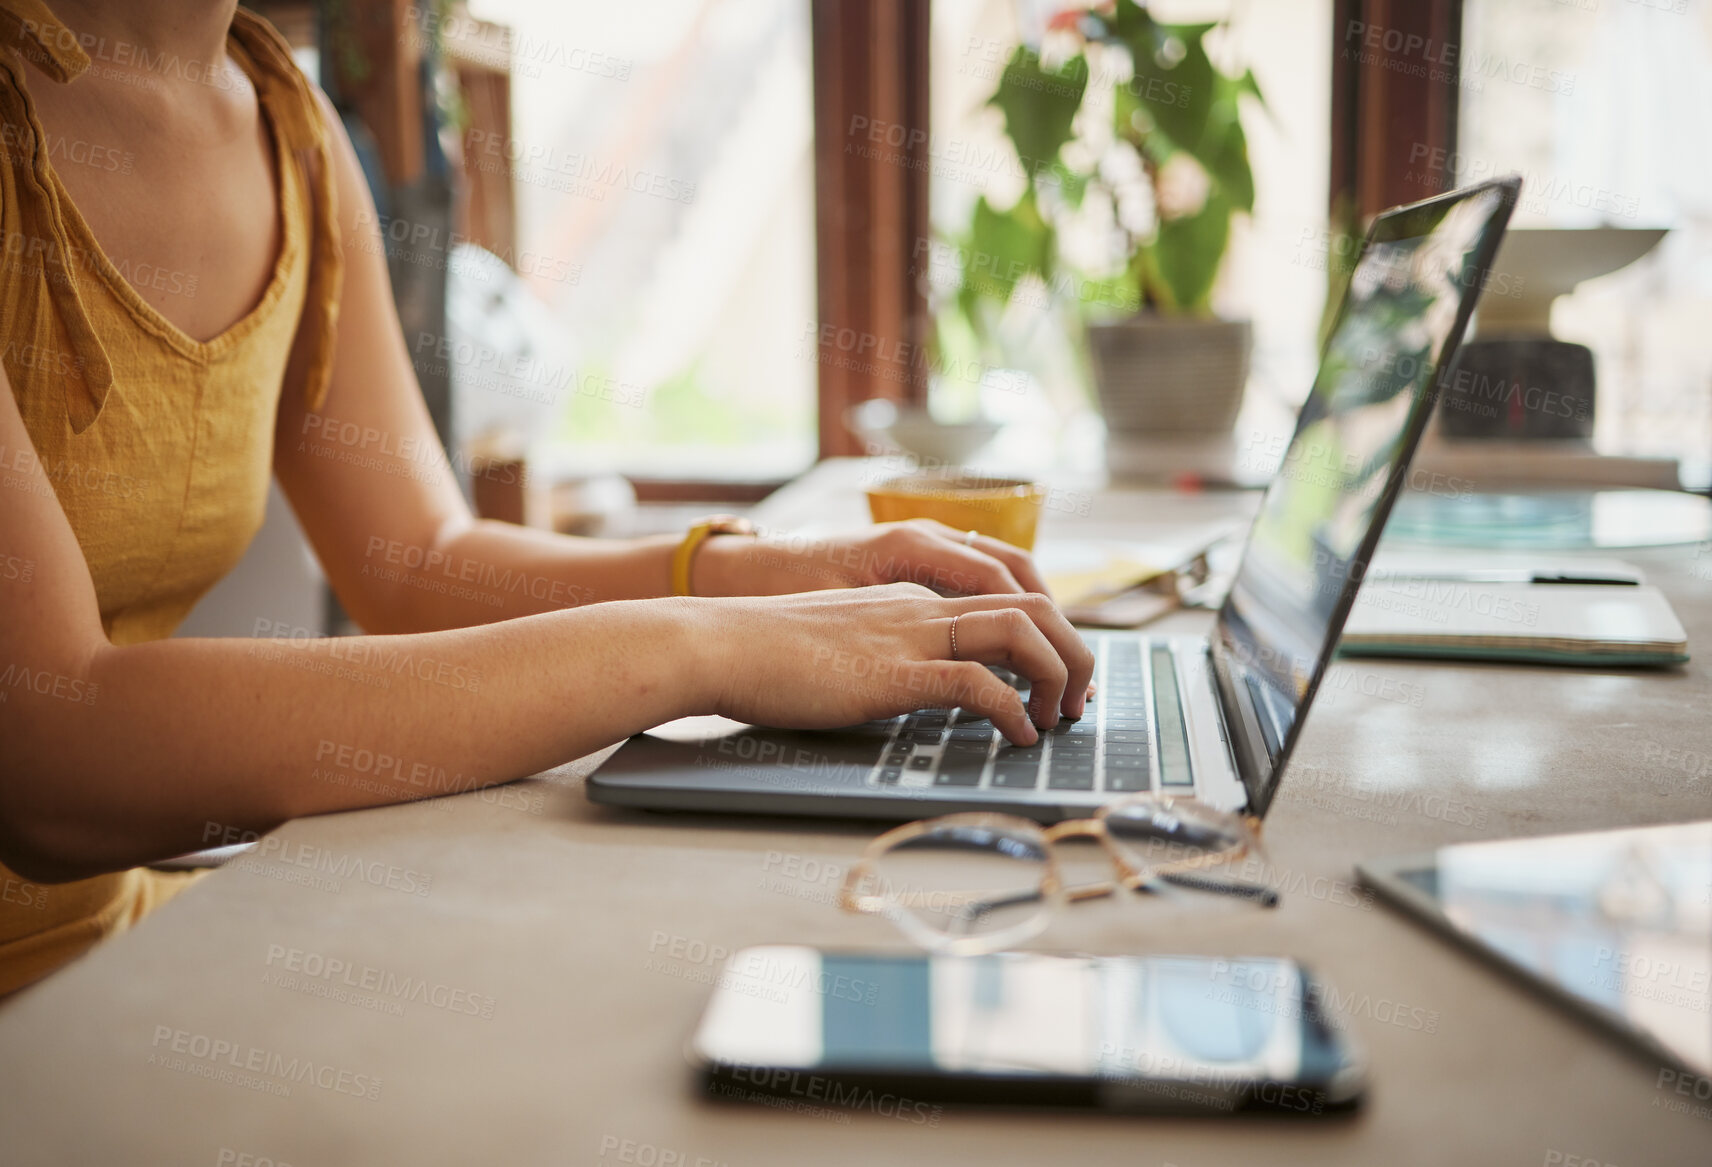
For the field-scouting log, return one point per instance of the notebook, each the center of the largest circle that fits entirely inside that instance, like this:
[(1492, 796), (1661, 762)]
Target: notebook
[(1502, 614)]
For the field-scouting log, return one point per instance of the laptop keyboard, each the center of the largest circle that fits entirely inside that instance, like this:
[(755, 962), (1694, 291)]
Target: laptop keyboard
[(1111, 749)]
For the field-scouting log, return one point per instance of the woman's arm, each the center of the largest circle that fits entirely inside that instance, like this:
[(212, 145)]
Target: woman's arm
[(110, 756), (377, 499)]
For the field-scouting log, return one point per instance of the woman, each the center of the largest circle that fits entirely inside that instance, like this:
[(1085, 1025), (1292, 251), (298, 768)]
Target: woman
[(194, 297)]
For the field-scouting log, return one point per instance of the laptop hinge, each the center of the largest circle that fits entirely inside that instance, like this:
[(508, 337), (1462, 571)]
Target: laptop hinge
[(1240, 727)]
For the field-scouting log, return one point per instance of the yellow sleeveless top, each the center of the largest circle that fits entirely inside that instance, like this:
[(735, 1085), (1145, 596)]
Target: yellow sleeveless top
[(159, 446)]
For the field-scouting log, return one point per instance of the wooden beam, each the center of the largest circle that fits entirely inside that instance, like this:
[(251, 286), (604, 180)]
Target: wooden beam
[(375, 51), (703, 490), (871, 190), (1395, 84), (479, 52)]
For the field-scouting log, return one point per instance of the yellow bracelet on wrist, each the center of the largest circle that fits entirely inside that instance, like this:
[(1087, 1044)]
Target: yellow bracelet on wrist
[(684, 556)]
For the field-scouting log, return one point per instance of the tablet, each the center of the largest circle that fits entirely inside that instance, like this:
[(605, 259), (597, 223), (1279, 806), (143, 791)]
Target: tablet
[(1616, 924)]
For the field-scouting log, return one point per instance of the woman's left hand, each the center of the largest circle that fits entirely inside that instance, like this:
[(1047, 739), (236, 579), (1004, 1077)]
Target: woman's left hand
[(952, 562)]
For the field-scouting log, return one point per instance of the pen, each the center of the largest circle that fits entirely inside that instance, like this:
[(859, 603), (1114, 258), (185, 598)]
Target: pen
[(1527, 577)]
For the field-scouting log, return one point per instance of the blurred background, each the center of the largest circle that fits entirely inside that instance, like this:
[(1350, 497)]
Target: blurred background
[(657, 258)]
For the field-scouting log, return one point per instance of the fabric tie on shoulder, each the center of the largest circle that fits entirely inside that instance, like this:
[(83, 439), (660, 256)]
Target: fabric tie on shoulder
[(50, 46), (290, 103), (298, 116)]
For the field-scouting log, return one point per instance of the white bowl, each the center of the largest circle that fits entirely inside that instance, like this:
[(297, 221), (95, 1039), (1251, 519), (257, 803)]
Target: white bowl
[(886, 426)]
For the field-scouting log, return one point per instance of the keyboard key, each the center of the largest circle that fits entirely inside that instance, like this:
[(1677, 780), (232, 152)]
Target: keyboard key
[(1126, 737), (962, 765), (1126, 749), (1016, 779), (890, 775), (1126, 781), (957, 778), (897, 757), (972, 733), (1061, 780), (921, 762)]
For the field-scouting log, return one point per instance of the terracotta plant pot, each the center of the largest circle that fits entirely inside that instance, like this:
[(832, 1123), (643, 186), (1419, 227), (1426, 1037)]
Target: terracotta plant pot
[(1161, 375)]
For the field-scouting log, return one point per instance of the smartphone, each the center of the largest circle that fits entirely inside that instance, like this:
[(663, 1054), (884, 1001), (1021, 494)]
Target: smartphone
[(901, 1034)]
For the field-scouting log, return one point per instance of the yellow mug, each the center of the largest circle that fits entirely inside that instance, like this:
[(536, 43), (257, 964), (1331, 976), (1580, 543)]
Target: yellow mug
[(1005, 508)]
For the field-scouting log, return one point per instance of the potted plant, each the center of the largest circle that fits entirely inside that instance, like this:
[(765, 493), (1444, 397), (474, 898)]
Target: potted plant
[(1136, 165)]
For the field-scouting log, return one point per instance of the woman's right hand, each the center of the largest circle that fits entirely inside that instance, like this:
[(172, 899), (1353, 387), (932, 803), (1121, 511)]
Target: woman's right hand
[(820, 660)]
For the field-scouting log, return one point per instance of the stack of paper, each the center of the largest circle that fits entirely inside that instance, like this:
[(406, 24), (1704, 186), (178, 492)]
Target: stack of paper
[(1119, 583)]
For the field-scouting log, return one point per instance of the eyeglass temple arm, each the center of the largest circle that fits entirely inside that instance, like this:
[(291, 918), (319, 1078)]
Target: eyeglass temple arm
[(975, 909), (1264, 896)]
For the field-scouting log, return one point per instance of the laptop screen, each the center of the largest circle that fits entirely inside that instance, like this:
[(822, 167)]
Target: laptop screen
[(1409, 296)]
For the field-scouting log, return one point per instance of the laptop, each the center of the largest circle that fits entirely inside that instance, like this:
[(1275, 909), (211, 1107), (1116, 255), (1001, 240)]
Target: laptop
[(1214, 718)]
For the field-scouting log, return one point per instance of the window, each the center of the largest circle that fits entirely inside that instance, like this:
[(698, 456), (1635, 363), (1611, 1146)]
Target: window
[(662, 157), (1604, 107)]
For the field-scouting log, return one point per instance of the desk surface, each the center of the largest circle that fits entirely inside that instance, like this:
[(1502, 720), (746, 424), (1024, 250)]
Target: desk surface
[(508, 976)]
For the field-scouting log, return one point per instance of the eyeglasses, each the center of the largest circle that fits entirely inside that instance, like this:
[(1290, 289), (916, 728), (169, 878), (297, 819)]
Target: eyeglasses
[(969, 884)]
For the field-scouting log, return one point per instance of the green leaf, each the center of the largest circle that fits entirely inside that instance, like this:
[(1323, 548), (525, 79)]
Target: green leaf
[(1182, 263), (1125, 124), (1224, 155), (1004, 248), (1249, 85), (1178, 97), (1130, 24), (1039, 105), (1178, 101)]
